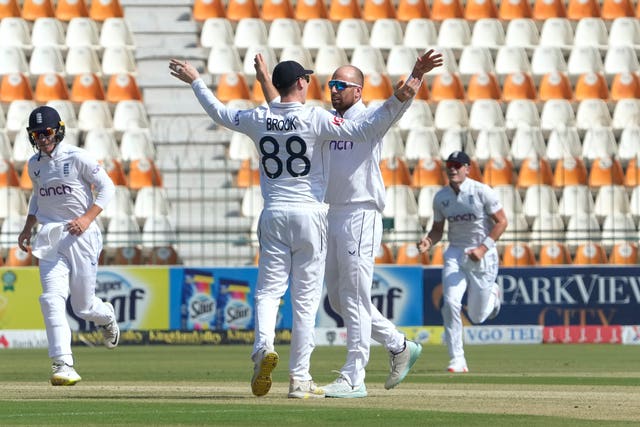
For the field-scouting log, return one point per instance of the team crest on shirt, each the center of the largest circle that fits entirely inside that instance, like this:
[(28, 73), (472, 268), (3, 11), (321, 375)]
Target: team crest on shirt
[(337, 120), (65, 169)]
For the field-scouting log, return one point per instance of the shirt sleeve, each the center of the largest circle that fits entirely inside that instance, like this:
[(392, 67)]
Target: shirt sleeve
[(492, 202), (91, 171), (227, 117)]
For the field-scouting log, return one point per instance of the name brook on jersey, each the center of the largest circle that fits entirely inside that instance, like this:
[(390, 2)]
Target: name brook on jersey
[(281, 125)]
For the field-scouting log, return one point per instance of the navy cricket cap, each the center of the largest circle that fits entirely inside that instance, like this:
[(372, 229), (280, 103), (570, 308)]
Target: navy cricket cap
[(286, 73), (44, 117), (459, 157)]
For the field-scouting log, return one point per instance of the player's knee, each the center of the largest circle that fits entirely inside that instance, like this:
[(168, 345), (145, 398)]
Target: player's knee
[(450, 306), (51, 304), (476, 316)]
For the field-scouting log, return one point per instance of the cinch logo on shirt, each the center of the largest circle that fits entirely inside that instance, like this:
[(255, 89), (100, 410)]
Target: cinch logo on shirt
[(340, 145), (462, 217), (282, 125), (55, 191)]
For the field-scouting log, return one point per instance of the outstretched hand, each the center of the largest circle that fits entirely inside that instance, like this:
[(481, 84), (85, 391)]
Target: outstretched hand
[(427, 62), (262, 74), (183, 70)]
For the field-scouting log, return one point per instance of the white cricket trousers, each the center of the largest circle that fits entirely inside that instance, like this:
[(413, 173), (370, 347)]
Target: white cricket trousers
[(72, 274), (293, 247), (459, 274), (353, 239)]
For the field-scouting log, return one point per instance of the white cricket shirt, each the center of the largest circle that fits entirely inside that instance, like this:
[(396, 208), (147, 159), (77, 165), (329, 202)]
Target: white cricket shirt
[(468, 213), (62, 184), (291, 141)]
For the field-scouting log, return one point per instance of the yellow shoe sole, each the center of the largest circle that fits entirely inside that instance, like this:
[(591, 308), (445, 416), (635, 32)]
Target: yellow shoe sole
[(261, 381)]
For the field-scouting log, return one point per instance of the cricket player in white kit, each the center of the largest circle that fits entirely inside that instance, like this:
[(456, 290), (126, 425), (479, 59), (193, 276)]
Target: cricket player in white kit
[(290, 140), (476, 221), (69, 242)]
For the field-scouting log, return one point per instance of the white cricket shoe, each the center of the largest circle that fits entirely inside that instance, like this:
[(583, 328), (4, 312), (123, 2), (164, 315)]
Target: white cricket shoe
[(496, 308), (111, 331), (265, 361), (401, 363), (458, 366), (300, 389), (63, 374), (341, 388)]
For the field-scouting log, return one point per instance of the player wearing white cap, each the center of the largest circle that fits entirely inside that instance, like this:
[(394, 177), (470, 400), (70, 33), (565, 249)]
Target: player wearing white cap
[(290, 140), (69, 242), (476, 221)]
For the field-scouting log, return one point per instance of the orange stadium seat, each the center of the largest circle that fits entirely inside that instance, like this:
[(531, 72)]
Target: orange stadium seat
[(248, 174), (395, 172), (232, 86), (344, 9), (315, 89), (483, 86), (555, 85), (428, 172), (498, 171), (122, 87), (310, 9), (474, 171), (16, 257), (569, 171), (518, 86), (376, 86), (103, 9), (605, 171), (578, 9), (518, 254), (534, 172), (127, 255), (554, 253), (257, 95), (373, 10), (163, 255), (612, 9), (591, 85), (50, 86), (632, 173), (510, 9), (447, 86), (34, 9), (240, 9), (408, 254), (115, 171), (624, 253), (86, 86), (25, 180), (9, 8), (143, 173), (15, 86), (446, 9), (589, 254), (545, 9), (205, 9), (480, 9), (66, 10), (412, 9), (625, 85), (275, 9), (384, 255), (8, 174)]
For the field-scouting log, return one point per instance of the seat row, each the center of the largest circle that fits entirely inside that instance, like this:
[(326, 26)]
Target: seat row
[(65, 10), (406, 10)]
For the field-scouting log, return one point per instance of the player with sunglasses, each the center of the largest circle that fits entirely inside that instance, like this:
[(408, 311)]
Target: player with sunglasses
[(476, 221), (69, 243)]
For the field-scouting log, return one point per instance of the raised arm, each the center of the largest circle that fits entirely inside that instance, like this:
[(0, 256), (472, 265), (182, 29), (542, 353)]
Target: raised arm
[(262, 76)]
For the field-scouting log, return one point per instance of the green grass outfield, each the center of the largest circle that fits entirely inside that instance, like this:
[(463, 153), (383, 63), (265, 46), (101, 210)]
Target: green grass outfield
[(575, 385)]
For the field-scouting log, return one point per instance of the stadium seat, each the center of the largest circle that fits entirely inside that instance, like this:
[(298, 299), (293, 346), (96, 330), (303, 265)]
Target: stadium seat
[(232, 86), (519, 86), (129, 114), (82, 31), (395, 172), (584, 59), (384, 255), (5, 142), (374, 10), (605, 171), (208, 9), (612, 9), (392, 145), (428, 172), (563, 142), (115, 171), (545, 228), (67, 112), (408, 10), (589, 254), (16, 257), (555, 85), (94, 113), (15, 86), (317, 33), (522, 32), (484, 87), (475, 60), (591, 31), (385, 34), (626, 115), (450, 113), (620, 59), (625, 85), (9, 8), (632, 172), (143, 173), (122, 87), (158, 232), (118, 60), (216, 31), (509, 198), (14, 204), (35, 9), (491, 142), (421, 142), (447, 86), (534, 171), (518, 254), (478, 9), (454, 33), (369, 60), (50, 86), (284, 32), (547, 59), (352, 32), (408, 254), (344, 9), (617, 228), (271, 10), (102, 144), (18, 114), (498, 171), (457, 138), (557, 113), (115, 32), (223, 59), (400, 61), (514, 9), (517, 230), (248, 174), (485, 114), (67, 10), (8, 175), (420, 33), (15, 31), (580, 9), (569, 171), (310, 9), (104, 9), (446, 9), (582, 227), (46, 59), (624, 30), (624, 253), (634, 202), (81, 60), (556, 32), (527, 142), (512, 59), (121, 203), (425, 201), (248, 68), (85, 87), (400, 201), (163, 255), (539, 200), (554, 253), (591, 86), (488, 32), (250, 32), (599, 142), (611, 199), (521, 112), (252, 202)]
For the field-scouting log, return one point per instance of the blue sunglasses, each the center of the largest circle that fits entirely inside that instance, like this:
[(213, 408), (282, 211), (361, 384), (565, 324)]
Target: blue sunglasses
[(341, 85)]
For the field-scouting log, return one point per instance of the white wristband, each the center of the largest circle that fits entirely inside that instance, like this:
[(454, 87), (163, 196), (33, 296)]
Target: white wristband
[(489, 242)]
